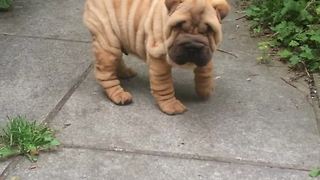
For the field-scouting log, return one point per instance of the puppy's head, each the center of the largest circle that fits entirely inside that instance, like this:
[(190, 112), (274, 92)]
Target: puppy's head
[(193, 30)]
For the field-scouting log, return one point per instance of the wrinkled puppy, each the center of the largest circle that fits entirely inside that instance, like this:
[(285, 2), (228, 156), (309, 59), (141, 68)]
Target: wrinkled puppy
[(166, 33)]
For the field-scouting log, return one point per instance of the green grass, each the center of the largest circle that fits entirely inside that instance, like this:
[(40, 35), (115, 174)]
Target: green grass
[(22, 137), (315, 172), (5, 4), (292, 28)]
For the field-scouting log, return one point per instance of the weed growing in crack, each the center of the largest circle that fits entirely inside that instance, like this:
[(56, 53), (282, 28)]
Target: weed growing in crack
[(22, 137)]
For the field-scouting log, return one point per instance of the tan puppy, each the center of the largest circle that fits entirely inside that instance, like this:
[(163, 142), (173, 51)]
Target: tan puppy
[(165, 33)]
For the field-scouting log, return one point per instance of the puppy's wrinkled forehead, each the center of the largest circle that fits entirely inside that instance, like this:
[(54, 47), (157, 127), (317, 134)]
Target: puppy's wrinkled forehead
[(191, 10), (193, 6), (221, 7)]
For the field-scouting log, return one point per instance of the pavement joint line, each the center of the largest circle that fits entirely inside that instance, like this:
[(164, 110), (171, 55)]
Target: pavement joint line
[(67, 96), (186, 156), (315, 101), (44, 38), (51, 115), (11, 165), (316, 110)]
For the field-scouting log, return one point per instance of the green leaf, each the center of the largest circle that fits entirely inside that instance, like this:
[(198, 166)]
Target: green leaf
[(285, 53), (315, 172), (55, 142), (315, 38), (302, 37), (305, 16), (306, 52), (257, 30), (318, 10), (48, 138), (5, 4), (6, 152), (294, 60), (52, 144), (264, 45), (294, 43), (315, 66), (253, 11)]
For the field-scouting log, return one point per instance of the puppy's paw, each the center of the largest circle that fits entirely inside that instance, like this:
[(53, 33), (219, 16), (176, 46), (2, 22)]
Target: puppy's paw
[(121, 98), (204, 92), (172, 107), (126, 73)]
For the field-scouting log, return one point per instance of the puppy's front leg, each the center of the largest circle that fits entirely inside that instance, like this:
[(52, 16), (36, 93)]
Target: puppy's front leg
[(162, 87), (204, 80)]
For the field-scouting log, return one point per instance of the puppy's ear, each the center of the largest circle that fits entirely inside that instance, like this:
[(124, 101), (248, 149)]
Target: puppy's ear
[(222, 7), (172, 5)]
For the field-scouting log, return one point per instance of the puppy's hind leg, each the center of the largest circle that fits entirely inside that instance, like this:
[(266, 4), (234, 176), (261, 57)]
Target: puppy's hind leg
[(106, 66)]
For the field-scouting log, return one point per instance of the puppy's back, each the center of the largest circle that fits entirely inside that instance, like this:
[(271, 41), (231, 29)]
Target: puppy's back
[(118, 24)]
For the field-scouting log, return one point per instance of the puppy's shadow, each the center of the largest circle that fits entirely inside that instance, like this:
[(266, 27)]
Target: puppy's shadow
[(140, 84), (186, 93), (137, 84)]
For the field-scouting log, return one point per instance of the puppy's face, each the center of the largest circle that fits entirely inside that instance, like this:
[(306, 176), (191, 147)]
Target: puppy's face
[(193, 30)]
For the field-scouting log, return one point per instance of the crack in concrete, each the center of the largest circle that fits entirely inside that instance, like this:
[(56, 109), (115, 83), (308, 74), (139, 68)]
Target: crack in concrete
[(186, 156), (51, 115), (165, 154), (11, 165), (66, 97), (314, 90), (45, 38), (316, 111)]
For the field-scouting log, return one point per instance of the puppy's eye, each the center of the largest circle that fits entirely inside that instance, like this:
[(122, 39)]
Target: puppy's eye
[(209, 29)]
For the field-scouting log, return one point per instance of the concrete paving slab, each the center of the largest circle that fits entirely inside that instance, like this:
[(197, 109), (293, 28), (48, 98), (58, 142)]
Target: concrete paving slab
[(253, 115), (259, 120), (3, 165), (45, 18), (87, 164), (35, 74)]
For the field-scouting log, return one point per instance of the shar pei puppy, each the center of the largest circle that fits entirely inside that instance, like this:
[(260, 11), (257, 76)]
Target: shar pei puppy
[(165, 33)]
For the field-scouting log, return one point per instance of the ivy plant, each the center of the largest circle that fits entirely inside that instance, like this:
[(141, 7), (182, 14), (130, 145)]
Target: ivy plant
[(293, 27)]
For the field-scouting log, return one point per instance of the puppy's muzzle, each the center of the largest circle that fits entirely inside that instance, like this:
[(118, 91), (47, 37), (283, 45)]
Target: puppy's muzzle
[(190, 49)]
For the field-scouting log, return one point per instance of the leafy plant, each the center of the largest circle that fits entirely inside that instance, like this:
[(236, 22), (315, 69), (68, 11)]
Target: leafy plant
[(5, 4), (264, 48), (315, 172), (26, 138), (293, 28)]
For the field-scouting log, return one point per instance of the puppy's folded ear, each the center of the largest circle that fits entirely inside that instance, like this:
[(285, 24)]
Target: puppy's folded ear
[(172, 5), (222, 7)]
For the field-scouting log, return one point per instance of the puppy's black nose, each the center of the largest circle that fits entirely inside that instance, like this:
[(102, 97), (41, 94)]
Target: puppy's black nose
[(197, 53)]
